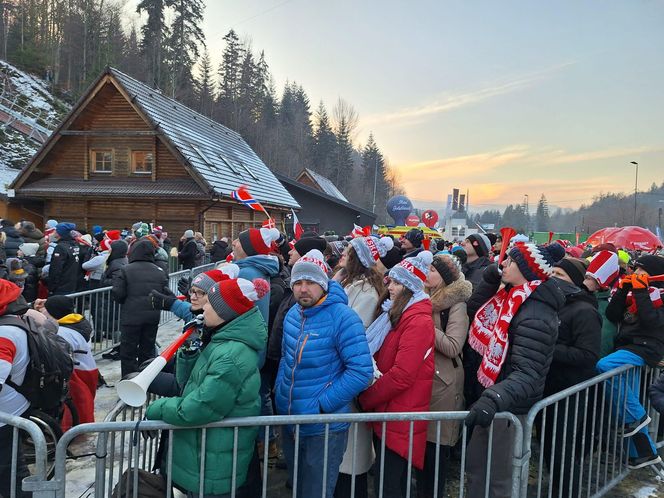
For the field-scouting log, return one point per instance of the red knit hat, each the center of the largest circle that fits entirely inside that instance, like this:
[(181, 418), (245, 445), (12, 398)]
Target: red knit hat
[(205, 281), (113, 234), (234, 297), (105, 244), (258, 240), (9, 293)]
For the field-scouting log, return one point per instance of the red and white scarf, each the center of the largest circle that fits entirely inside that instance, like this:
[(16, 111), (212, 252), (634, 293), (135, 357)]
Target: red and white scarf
[(656, 298), (489, 331)]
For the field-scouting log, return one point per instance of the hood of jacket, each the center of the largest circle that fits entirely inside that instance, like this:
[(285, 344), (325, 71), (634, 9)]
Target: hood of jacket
[(550, 294), (119, 250), (33, 233), (78, 323), (142, 250), (248, 328), (458, 291), (10, 231), (575, 294), (268, 265), (221, 243)]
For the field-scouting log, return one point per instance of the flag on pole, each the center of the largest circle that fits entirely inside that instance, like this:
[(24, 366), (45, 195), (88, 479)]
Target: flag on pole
[(358, 231), (297, 227), (242, 195), (269, 223)]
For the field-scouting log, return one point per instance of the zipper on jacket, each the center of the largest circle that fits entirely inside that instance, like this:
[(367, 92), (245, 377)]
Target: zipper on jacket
[(296, 358)]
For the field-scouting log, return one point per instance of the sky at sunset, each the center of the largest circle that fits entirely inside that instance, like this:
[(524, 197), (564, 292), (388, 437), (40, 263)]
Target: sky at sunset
[(503, 98)]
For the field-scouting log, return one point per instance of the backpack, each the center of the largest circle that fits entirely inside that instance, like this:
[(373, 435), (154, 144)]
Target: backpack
[(50, 367)]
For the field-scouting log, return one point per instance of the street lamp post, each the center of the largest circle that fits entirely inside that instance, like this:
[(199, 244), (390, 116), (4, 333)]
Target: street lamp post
[(636, 186)]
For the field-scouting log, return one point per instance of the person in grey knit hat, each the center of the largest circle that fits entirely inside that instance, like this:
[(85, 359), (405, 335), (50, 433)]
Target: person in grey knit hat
[(311, 267), (370, 249), (412, 272)]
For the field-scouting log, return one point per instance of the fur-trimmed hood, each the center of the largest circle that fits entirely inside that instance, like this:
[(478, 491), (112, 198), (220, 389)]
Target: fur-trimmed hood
[(458, 291)]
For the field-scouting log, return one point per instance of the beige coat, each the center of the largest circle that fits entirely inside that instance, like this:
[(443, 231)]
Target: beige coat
[(363, 298), (447, 392)]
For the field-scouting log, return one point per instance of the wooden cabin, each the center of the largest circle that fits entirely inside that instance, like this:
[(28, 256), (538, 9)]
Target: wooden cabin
[(128, 153)]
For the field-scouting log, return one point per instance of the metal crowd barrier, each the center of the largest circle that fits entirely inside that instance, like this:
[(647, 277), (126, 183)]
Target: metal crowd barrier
[(98, 306), (122, 446), (36, 482)]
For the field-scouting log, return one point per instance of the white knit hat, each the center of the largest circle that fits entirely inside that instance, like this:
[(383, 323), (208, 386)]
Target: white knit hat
[(311, 267), (412, 272), (370, 249), (604, 268)]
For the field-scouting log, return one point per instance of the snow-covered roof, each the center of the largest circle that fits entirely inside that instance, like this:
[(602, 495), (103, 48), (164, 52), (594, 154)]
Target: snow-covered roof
[(326, 185), (218, 154), (7, 175)]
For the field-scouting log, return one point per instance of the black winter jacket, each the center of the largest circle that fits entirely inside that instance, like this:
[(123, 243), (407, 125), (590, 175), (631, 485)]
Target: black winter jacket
[(65, 272), (219, 251), (277, 333), (473, 271), (188, 253), (31, 284), (579, 340), (532, 338), (133, 283), (14, 240), (116, 260), (643, 333)]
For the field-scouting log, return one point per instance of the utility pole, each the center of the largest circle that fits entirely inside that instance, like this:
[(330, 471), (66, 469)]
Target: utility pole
[(636, 186)]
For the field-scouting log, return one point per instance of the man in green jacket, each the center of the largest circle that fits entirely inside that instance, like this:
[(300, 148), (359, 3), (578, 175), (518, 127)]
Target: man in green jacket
[(220, 381)]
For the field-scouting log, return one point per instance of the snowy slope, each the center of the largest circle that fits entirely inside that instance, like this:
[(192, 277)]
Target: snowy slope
[(29, 96)]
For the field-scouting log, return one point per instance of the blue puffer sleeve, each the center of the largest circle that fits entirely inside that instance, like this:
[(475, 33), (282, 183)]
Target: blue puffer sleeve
[(182, 309), (356, 362)]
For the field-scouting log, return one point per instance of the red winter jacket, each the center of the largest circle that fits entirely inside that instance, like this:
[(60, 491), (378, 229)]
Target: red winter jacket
[(406, 360)]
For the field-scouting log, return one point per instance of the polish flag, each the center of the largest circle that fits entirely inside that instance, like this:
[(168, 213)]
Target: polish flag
[(297, 227)]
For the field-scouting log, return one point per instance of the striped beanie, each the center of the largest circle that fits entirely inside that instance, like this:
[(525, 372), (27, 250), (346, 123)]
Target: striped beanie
[(604, 268), (311, 267), (370, 249), (412, 272), (258, 240), (536, 262), (234, 297), (205, 281)]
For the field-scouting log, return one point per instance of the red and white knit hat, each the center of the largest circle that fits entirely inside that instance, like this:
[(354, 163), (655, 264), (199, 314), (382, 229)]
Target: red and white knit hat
[(105, 244), (412, 272), (536, 262), (604, 268), (258, 240), (234, 297), (205, 281), (370, 249)]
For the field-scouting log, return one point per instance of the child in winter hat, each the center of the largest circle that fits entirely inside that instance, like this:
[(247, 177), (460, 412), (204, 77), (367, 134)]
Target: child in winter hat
[(604, 269), (257, 241), (412, 272), (311, 267), (370, 249), (536, 262), (234, 297)]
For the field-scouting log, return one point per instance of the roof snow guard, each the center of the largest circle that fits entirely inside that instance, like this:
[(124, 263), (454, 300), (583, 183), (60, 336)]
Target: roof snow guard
[(220, 155)]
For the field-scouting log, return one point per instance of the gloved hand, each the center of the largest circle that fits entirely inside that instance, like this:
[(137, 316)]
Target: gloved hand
[(492, 274), (625, 282), (183, 285), (640, 281), (481, 413), (161, 301)]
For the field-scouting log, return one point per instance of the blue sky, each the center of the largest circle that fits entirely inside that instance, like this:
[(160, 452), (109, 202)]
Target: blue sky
[(504, 98)]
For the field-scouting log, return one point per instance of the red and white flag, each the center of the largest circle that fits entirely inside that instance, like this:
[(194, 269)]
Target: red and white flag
[(297, 227), (269, 223)]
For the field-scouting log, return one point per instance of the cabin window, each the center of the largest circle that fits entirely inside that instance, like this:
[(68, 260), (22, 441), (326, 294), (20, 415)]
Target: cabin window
[(141, 162), (101, 160)]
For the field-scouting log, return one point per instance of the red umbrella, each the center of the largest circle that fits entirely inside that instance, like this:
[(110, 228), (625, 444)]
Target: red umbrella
[(626, 237)]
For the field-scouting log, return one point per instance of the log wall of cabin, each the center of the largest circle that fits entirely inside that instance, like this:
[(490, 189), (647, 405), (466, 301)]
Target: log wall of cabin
[(229, 219)]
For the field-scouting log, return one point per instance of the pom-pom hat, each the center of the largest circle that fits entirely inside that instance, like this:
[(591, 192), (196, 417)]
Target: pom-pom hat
[(370, 249), (536, 262), (258, 240), (311, 267), (604, 268), (412, 272), (205, 281), (234, 297)]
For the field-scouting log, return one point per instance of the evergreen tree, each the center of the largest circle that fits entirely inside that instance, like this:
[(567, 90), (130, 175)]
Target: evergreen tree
[(229, 80), (346, 123), (324, 142), (153, 34), (373, 168), (131, 62), (186, 38), (205, 86), (542, 219)]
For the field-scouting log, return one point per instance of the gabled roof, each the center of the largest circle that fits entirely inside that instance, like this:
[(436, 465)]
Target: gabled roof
[(324, 183), (323, 195), (216, 155)]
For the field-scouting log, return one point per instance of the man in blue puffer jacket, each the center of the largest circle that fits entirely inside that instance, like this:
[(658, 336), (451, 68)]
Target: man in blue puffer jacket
[(325, 363)]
